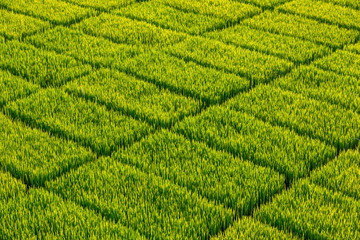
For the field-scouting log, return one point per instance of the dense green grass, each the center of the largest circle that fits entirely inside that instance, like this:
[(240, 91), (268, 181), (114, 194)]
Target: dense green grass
[(180, 119)]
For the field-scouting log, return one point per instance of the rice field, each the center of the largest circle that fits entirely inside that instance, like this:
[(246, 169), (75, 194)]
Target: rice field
[(180, 119)]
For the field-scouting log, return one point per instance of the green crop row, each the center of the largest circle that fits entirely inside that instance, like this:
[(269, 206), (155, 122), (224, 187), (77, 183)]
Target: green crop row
[(55, 11), (34, 156), (154, 206), (39, 66), (216, 175), (163, 69), (346, 3), (331, 87), (304, 28), (341, 62), (327, 12), (230, 11), (249, 229), (9, 188), (266, 4), (124, 30), (43, 215), (134, 97), (75, 118), (287, 47), (251, 139), (171, 18), (353, 48), (251, 64), (342, 174), (12, 87), (101, 4), (313, 212), (184, 77), (14, 25), (321, 120), (96, 51)]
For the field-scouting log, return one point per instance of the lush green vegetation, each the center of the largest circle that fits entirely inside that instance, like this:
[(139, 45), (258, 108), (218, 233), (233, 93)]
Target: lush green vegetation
[(43, 215), (180, 119), (231, 11), (249, 229), (187, 78), (290, 48), (313, 212), (298, 26), (150, 204), (214, 174), (253, 65), (39, 66), (13, 87), (134, 97), (342, 62), (251, 139), (83, 121), (327, 122), (55, 11), (88, 49), (10, 187), (100, 4), (323, 85), (14, 25), (169, 17), (124, 30), (347, 3), (327, 12), (342, 174), (34, 156), (354, 48)]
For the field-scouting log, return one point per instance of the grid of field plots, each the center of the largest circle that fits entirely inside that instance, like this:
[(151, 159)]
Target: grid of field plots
[(180, 119)]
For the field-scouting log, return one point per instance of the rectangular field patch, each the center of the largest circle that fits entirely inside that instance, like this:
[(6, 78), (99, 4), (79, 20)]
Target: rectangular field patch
[(83, 121), (154, 206), (16, 26)]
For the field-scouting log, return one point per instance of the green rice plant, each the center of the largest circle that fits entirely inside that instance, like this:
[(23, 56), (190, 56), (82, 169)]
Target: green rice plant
[(290, 48), (35, 156), (346, 3), (230, 11), (9, 188), (265, 4), (154, 206), (188, 78), (96, 51), (44, 215), (39, 66), (341, 62), (331, 87), (326, 122), (327, 12), (55, 11), (252, 139), (341, 175), (170, 18), (247, 228), (134, 97), (355, 48), (14, 25), (217, 175), (304, 28), (313, 212), (78, 119), (124, 30), (101, 4), (251, 64), (12, 87)]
